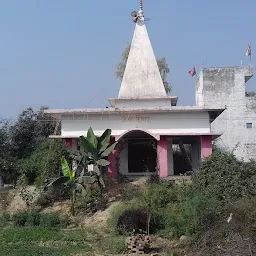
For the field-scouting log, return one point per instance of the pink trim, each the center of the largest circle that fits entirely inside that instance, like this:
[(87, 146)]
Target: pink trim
[(69, 143), (206, 146), (156, 136), (112, 158), (162, 157)]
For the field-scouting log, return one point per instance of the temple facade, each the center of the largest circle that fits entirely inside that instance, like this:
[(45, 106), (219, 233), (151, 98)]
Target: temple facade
[(154, 134)]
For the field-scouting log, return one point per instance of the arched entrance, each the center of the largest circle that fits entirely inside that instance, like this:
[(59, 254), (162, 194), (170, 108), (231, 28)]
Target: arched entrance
[(137, 153)]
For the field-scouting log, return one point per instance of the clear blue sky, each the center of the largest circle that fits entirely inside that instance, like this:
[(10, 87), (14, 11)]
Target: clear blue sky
[(63, 53)]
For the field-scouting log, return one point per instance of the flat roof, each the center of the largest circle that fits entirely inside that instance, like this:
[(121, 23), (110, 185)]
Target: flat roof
[(214, 113), (124, 110), (214, 135)]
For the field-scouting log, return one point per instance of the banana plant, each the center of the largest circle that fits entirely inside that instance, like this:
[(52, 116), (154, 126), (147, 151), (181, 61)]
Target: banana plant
[(97, 150), (69, 180), (94, 154)]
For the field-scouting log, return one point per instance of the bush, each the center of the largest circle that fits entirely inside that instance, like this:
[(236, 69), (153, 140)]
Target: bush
[(20, 218), (151, 202), (135, 222), (223, 176), (35, 219), (244, 212), (43, 162), (157, 196), (92, 201), (118, 209), (115, 245), (194, 213), (4, 220), (45, 199), (130, 193)]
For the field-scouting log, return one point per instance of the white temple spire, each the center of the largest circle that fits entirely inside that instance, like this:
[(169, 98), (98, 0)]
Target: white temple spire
[(142, 78)]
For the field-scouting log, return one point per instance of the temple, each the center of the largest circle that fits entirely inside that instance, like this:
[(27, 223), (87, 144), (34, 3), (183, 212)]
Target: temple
[(154, 134)]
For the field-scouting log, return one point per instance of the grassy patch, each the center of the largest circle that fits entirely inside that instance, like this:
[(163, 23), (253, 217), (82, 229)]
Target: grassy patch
[(44, 241)]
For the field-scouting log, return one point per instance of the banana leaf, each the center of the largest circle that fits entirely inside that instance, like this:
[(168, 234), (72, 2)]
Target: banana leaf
[(109, 150), (92, 138)]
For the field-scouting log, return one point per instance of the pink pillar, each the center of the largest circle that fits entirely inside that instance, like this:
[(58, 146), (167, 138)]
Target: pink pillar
[(162, 157), (112, 158), (206, 146), (69, 143)]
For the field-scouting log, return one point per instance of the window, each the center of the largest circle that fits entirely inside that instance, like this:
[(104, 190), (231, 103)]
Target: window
[(249, 125)]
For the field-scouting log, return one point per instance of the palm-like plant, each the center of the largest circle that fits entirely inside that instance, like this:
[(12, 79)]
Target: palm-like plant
[(95, 152)]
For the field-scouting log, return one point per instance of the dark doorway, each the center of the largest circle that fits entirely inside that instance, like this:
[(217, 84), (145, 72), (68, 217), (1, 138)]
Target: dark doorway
[(142, 156), (182, 159)]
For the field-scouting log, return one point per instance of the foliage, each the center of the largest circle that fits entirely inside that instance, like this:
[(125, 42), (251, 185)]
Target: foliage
[(244, 212), (4, 220), (157, 196), (36, 219), (119, 209), (29, 130), (115, 245), (97, 150), (193, 213), (223, 176), (45, 199), (19, 141), (53, 242), (152, 201), (92, 201), (135, 221), (130, 193), (68, 180), (45, 241), (43, 163), (162, 65), (7, 161)]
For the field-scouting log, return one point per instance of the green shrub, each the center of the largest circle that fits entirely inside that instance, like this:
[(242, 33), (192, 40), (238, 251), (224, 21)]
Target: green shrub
[(35, 219), (45, 199), (192, 214), (223, 176), (157, 196), (244, 211), (115, 245), (4, 220), (50, 220), (43, 162), (20, 218), (6, 216), (129, 193), (120, 208), (152, 200)]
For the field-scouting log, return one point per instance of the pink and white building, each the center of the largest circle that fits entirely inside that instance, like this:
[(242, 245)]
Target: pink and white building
[(154, 134)]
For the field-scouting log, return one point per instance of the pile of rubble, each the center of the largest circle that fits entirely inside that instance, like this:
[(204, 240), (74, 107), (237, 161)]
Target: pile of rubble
[(138, 244)]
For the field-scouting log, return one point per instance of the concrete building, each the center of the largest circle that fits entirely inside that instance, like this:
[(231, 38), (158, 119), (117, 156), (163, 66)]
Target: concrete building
[(144, 120), (226, 88)]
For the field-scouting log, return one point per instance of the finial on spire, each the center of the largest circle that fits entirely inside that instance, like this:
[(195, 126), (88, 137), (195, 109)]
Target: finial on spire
[(141, 5), (141, 13)]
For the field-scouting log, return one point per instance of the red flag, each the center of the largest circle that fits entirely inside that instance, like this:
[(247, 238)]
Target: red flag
[(192, 72)]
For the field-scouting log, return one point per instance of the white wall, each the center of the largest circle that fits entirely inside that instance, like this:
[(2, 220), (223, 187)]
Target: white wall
[(157, 123), (219, 87)]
